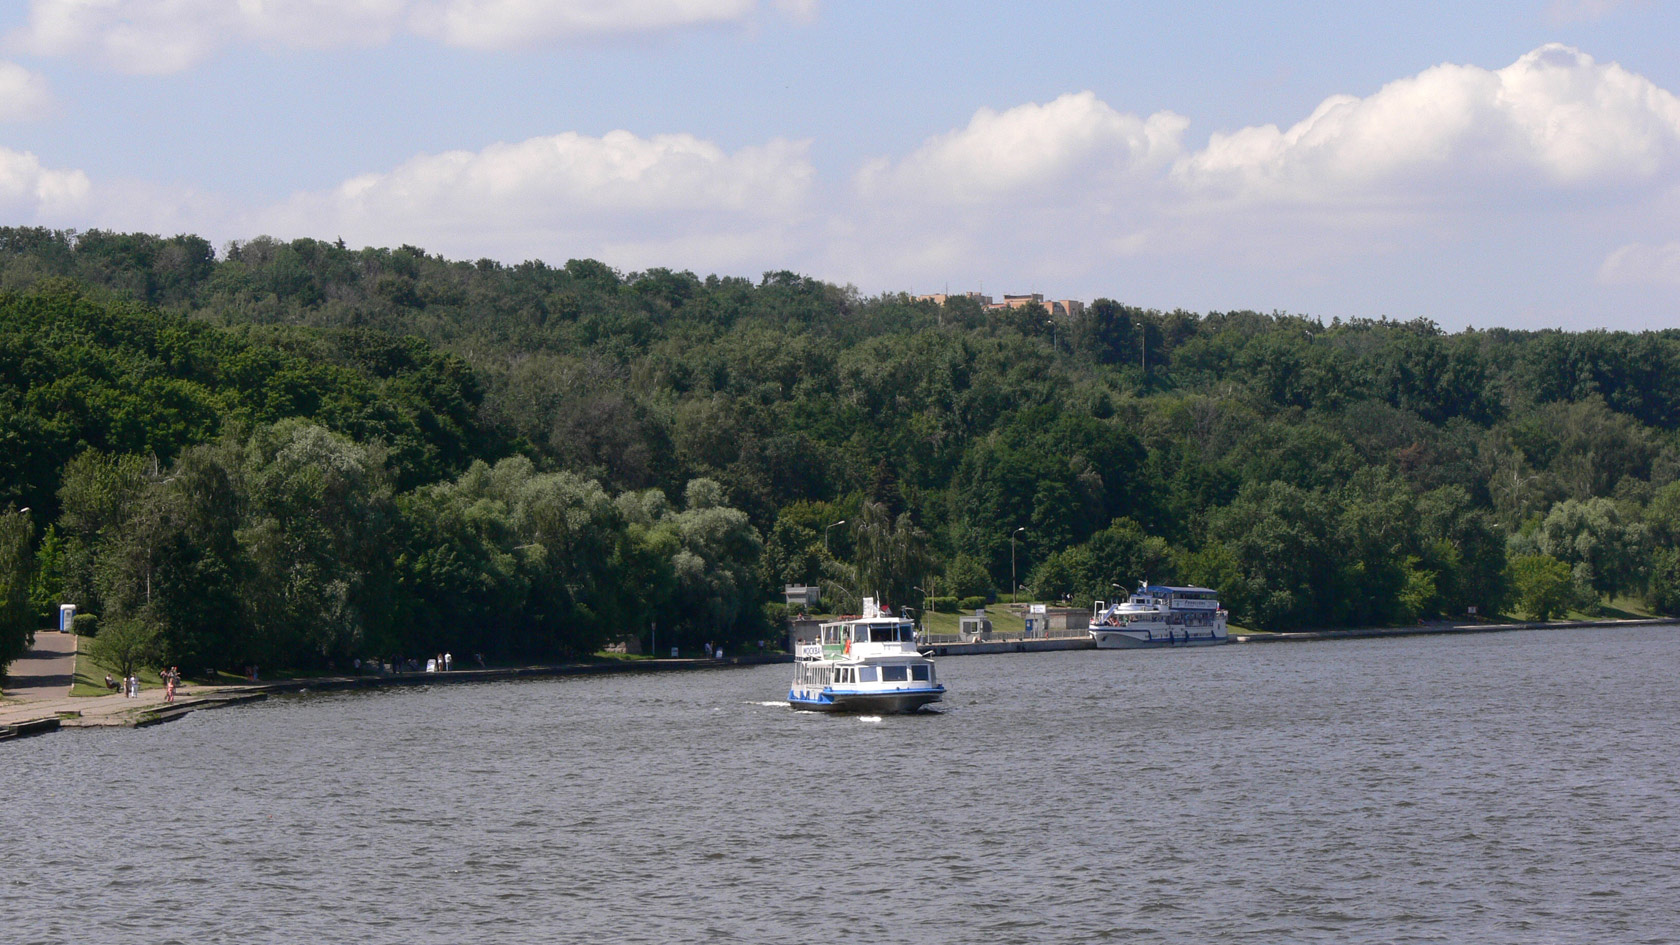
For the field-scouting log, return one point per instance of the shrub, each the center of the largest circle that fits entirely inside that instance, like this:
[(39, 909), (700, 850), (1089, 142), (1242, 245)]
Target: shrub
[(943, 605), (967, 577), (971, 603), (85, 625)]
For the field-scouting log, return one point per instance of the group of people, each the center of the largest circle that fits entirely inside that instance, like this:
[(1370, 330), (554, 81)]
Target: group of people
[(130, 685)]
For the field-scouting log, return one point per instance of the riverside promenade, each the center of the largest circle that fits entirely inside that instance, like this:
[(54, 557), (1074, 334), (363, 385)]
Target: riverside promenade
[(36, 710), (1443, 628), (1017, 643)]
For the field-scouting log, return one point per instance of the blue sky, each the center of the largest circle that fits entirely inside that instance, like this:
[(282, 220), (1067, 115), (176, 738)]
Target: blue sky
[(1473, 163)]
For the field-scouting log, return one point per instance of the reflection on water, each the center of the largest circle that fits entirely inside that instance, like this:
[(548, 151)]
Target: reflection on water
[(1503, 788)]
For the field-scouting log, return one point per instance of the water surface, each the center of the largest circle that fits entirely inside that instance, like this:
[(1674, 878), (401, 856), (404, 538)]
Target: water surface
[(1514, 787)]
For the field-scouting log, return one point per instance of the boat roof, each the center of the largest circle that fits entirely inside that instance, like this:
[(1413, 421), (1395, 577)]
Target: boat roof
[(1174, 589)]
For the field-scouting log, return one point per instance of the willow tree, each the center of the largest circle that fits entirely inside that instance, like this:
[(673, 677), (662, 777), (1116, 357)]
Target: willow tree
[(892, 555), (17, 565)]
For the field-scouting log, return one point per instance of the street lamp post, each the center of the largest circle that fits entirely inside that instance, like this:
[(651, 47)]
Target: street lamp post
[(825, 537), (1013, 597)]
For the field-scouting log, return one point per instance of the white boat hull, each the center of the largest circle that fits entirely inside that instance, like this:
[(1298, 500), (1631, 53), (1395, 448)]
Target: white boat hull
[(1111, 638), (883, 703)]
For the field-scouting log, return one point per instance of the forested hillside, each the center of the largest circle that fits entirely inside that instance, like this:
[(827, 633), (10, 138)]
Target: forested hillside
[(300, 452)]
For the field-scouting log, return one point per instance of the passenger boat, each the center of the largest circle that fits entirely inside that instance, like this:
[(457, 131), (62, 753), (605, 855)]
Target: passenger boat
[(864, 664), (1157, 615)]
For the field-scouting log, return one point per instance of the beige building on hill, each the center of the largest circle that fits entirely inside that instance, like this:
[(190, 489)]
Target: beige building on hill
[(1058, 308)]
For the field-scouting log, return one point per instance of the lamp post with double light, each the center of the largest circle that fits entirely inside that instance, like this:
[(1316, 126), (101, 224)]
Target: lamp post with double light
[(1013, 596)]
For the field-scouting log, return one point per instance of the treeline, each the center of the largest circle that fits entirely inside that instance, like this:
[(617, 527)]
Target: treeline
[(218, 498), (290, 545), (1362, 471)]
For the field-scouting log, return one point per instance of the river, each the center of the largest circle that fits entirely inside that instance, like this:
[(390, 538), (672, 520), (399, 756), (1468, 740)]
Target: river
[(1515, 787)]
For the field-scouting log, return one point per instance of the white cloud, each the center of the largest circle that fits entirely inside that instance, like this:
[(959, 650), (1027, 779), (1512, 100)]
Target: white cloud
[(23, 94), (1554, 119), (32, 192), (1028, 148), (1451, 163), (150, 37), (1642, 264), (166, 36), (565, 195), (504, 24)]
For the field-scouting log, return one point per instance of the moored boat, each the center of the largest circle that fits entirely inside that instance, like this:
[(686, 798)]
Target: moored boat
[(1160, 615), (864, 664)]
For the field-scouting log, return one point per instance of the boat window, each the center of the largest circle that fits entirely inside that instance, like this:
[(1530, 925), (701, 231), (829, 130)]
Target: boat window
[(893, 674), (920, 671), (866, 674)]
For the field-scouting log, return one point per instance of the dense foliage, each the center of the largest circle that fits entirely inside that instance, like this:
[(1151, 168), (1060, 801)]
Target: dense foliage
[(308, 449)]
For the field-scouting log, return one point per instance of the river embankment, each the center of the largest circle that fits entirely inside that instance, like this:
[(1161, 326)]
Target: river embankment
[(1447, 629), (1017, 643), (39, 716)]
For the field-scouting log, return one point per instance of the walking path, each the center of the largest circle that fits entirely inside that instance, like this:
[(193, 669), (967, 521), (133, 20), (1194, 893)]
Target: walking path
[(45, 672)]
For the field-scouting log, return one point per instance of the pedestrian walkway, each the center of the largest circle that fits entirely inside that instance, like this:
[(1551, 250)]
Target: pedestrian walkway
[(46, 671)]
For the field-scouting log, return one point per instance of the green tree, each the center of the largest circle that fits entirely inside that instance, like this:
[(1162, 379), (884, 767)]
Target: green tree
[(125, 645), (1541, 586), (1663, 593), (1279, 538), (1604, 546), (17, 566)]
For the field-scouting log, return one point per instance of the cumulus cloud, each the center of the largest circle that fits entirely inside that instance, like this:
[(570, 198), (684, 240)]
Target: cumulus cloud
[(1455, 155), (1056, 185), (1031, 147), (1554, 118), (31, 191), (1642, 264), (566, 194), (23, 94), (503, 24), (148, 37)]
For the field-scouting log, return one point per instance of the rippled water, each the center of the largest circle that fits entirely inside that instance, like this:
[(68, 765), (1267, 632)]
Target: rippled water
[(1515, 787)]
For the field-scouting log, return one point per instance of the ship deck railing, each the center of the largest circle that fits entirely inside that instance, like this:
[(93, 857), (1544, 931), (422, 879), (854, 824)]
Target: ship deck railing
[(995, 636)]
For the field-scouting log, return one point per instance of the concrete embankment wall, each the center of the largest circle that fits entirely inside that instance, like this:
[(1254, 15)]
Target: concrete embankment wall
[(1425, 630), (372, 681), (29, 727), (1008, 646)]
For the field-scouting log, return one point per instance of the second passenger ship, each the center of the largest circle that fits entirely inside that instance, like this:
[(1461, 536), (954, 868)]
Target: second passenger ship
[(1159, 615)]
